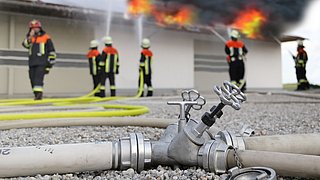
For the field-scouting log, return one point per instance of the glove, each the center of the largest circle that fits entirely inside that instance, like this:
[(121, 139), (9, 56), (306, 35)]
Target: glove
[(117, 69), (47, 70)]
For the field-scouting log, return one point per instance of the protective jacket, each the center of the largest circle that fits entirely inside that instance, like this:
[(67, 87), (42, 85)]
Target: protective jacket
[(109, 60), (146, 61), (41, 49), (235, 50), (301, 58), (94, 58)]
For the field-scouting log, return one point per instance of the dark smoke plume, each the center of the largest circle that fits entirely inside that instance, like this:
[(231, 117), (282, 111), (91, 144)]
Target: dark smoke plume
[(280, 13)]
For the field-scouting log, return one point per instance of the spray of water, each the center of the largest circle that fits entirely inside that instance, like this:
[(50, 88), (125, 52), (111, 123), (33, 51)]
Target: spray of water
[(109, 16), (139, 25)]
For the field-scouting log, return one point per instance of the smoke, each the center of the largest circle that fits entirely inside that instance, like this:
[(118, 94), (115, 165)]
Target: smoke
[(280, 13)]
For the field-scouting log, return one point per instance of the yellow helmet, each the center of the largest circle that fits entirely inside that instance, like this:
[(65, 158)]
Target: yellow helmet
[(145, 43), (107, 40), (94, 44)]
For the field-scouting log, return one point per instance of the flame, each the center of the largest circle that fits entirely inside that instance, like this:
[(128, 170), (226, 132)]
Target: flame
[(138, 7), (184, 16), (249, 22)]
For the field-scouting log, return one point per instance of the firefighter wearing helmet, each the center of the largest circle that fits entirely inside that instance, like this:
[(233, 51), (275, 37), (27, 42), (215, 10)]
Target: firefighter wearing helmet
[(236, 51), (41, 56), (145, 68), (300, 64), (94, 57), (109, 65)]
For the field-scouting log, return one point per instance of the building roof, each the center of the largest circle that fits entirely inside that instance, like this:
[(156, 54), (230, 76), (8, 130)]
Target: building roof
[(117, 5), (288, 38)]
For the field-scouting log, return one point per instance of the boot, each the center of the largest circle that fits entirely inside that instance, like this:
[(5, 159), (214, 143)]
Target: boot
[(97, 94), (37, 95), (150, 93), (112, 92), (102, 93)]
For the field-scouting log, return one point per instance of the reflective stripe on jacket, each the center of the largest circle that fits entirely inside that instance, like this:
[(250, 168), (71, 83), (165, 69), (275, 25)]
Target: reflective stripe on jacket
[(146, 60), (109, 59), (40, 49), (94, 58), (235, 50)]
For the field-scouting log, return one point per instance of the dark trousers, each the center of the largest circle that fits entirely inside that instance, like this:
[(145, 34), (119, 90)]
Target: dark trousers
[(236, 72), (303, 83), (96, 82), (36, 75), (104, 77), (146, 80)]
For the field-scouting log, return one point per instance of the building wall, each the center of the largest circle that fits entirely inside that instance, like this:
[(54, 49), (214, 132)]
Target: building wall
[(173, 57), (172, 67), (205, 80), (263, 66), (68, 35)]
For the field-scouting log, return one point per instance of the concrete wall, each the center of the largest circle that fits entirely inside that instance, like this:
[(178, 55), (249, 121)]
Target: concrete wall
[(173, 57), (264, 65), (204, 80), (14, 81), (172, 67), (68, 36)]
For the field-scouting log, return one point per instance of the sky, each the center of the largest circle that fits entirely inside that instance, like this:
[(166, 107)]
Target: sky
[(308, 28)]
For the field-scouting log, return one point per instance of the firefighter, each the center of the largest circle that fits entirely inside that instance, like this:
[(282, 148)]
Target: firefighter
[(94, 57), (236, 52), (300, 65), (145, 66), (109, 65), (41, 56)]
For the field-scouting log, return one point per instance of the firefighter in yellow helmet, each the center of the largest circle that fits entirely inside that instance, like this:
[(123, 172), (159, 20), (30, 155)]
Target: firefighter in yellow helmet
[(236, 51), (145, 66), (41, 56), (94, 57), (300, 64), (109, 65)]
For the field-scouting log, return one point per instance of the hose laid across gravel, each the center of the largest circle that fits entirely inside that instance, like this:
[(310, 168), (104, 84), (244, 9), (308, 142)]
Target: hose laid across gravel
[(268, 114)]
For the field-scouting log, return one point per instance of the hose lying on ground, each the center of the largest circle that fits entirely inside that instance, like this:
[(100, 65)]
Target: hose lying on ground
[(121, 110)]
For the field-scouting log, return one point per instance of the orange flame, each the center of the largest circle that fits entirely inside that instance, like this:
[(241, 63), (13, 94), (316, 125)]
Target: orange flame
[(137, 7), (182, 17), (249, 22)]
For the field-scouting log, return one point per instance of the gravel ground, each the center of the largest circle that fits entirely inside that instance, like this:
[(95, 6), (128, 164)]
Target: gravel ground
[(269, 114)]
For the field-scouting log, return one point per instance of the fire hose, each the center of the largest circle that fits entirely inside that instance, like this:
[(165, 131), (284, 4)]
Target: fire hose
[(122, 110), (187, 143)]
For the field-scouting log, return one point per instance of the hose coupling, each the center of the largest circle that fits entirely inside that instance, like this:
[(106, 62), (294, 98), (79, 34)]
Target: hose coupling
[(133, 152)]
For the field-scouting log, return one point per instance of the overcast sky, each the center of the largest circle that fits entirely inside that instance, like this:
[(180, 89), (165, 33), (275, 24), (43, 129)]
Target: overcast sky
[(308, 28)]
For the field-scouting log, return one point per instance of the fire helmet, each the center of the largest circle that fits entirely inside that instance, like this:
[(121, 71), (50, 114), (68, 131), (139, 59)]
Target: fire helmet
[(107, 40), (235, 34), (35, 24), (145, 43), (300, 42), (94, 44)]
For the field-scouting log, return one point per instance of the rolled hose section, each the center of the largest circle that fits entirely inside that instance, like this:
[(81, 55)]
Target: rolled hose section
[(26, 161), (127, 110), (308, 144), (285, 164)]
